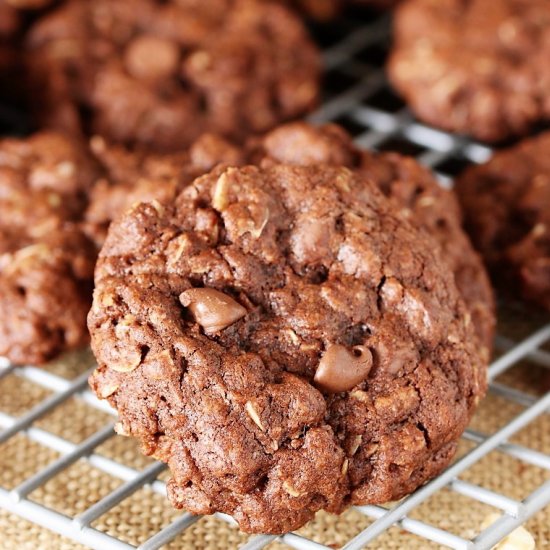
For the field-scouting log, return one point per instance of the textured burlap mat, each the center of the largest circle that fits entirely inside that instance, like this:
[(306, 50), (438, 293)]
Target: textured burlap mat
[(140, 516)]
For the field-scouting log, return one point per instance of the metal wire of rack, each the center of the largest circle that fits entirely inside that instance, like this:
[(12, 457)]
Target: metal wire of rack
[(357, 97)]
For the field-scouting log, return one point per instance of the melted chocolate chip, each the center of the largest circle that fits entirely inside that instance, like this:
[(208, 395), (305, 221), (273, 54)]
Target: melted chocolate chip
[(341, 369), (212, 309)]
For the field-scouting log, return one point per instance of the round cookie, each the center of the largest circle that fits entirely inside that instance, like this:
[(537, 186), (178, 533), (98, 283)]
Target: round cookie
[(507, 208), (416, 193), (475, 67), (46, 262), (286, 340), (162, 73)]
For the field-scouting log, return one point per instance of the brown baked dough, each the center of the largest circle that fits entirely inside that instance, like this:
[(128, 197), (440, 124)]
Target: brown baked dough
[(286, 340), (160, 74), (416, 193), (477, 67), (46, 262), (507, 207)]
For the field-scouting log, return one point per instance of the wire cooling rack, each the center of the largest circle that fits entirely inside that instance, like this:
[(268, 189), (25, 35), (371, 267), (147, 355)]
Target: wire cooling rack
[(357, 96)]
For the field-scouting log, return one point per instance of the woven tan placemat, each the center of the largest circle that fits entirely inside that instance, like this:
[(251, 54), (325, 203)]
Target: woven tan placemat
[(143, 514)]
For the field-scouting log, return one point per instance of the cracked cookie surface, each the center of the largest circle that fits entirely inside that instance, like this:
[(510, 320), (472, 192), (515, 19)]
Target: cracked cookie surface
[(286, 340), (46, 262), (507, 207), (414, 190), (475, 67), (162, 73)]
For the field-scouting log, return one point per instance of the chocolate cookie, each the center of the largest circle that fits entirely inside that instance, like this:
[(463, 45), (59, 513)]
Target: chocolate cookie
[(162, 73), (411, 186), (475, 67), (507, 208), (46, 263), (286, 340)]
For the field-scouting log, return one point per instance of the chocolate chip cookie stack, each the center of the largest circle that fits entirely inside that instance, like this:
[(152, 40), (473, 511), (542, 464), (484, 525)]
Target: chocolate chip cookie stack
[(290, 322)]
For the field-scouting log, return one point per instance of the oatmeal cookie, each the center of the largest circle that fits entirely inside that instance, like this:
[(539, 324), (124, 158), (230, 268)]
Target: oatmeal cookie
[(160, 74), (507, 207), (286, 340), (129, 177), (474, 67), (46, 262)]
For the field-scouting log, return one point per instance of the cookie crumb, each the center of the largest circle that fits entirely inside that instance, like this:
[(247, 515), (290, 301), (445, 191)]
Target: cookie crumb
[(518, 539)]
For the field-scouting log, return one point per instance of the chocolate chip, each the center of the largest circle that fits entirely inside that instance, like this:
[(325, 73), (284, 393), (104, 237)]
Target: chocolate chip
[(212, 309), (341, 369), (149, 57)]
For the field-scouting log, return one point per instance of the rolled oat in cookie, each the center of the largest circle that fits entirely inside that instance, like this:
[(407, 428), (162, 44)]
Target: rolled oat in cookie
[(286, 340), (474, 67), (46, 262), (160, 73), (507, 207)]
